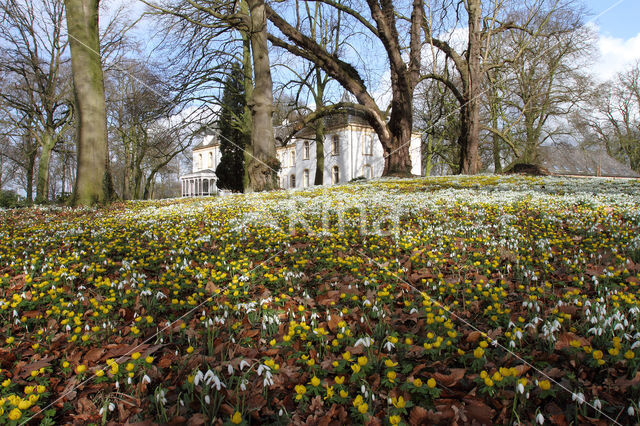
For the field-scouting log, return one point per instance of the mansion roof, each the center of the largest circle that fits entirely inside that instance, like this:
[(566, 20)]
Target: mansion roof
[(572, 160), (338, 120)]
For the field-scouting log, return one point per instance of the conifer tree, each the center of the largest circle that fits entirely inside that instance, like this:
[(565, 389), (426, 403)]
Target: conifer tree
[(234, 134)]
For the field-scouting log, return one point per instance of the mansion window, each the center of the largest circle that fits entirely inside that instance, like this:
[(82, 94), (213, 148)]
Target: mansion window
[(211, 160), (200, 163), (292, 181), (367, 145), (335, 145), (283, 160), (305, 178), (366, 171), (293, 158), (335, 175), (305, 150)]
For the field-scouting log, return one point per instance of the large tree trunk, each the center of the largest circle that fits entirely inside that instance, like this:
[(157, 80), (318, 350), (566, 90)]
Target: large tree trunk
[(263, 162), (396, 148), (42, 185), (470, 111), (92, 180), (319, 178), (247, 69), (31, 162)]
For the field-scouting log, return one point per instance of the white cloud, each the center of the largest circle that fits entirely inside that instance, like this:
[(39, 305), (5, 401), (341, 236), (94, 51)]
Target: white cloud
[(616, 54)]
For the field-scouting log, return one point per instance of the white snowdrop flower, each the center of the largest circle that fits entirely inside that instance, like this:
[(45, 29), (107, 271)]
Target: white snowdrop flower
[(364, 341), (101, 411), (198, 377), (579, 397), (243, 384), (597, 404), (128, 380), (117, 384), (181, 402), (540, 418), (146, 379), (268, 380), (230, 369), (207, 399), (112, 406), (520, 388), (243, 364), (631, 411), (363, 389), (281, 412), (262, 368)]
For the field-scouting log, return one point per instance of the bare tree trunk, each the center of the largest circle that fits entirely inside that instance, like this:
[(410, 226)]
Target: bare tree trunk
[(319, 178), (397, 159), (470, 136), (31, 162), (92, 180), (247, 69), (261, 167), (42, 185)]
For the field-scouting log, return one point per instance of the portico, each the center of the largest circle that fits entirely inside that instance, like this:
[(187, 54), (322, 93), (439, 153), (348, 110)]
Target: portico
[(198, 184)]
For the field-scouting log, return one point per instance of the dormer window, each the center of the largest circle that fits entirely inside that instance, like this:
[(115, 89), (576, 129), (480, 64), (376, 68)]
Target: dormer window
[(199, 161), (293, 158), (211, 160)]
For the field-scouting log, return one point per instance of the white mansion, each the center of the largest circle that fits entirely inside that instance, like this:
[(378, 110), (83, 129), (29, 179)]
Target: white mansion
[(351, 150)]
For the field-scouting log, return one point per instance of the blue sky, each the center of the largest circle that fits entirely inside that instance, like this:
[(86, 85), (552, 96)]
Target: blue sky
[(622, 21), (617, 23)]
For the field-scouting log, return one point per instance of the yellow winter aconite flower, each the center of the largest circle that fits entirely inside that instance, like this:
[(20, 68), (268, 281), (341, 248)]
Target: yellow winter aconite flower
[(629, 354), (362, 408), (391, 376), (544, 384), (478, 352), (389, 363), (300, 391), (15, 414), (431, 383), (81, 368), (149, 359), (362, 361), (398, 402), (236, 419), (358, 401), (394, 420), (315, 381), (135, 355)]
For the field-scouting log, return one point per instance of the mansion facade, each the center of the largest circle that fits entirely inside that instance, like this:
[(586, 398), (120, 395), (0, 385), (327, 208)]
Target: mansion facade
[(202, 180), (351, 150)]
